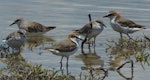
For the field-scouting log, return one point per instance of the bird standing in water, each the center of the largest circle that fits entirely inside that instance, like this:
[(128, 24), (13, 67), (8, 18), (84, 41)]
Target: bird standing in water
[(16, 40), (32, 27), (123, 25)]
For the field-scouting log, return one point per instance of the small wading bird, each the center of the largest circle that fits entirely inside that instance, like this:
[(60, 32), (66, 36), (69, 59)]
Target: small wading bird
[(16, 40), (91, 30), (32, 27), (66, 47), (123, 25)]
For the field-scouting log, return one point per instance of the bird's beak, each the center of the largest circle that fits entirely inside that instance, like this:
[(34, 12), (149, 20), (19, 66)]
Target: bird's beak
[(12, 24), (109, 14), (105, 16)]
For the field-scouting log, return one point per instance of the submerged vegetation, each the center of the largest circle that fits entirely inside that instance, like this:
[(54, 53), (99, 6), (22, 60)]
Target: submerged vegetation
[(130, 51), (18, 69)]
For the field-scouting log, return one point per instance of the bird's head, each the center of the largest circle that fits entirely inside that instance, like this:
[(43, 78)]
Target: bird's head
[(17, 21), (111, 14), (100, 21)]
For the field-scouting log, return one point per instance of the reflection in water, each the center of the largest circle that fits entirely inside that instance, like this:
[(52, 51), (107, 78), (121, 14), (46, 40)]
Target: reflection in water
[(114, 62), (18, 69), (121, 74), (91, 59), (120, 50), (61, 68), (36, 40), (124, 49), (93, 64), (89, 46)]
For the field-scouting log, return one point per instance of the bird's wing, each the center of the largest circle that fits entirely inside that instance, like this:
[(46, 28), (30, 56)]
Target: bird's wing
[(85, 29), (128, 23), (13, 35), (34, 27), (63, 46)]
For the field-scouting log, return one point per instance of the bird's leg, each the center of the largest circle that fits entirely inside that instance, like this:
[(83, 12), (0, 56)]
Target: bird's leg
[(83, 44), (61, 63), (94, 42), (61, 59), (90, 50), (121, 36), (129, 37), (67, 65), (89, 46)]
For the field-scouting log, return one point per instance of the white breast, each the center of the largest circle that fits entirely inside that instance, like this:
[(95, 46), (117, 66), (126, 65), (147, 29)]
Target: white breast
[(16, 43), (116, 26)]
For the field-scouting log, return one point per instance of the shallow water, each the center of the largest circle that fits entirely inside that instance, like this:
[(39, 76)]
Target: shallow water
[(68, 15)]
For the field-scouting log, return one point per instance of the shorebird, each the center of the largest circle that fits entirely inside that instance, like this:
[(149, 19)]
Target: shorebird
[(16, 39), (32, 27), (66, 47), (91, 30), (122, 25)]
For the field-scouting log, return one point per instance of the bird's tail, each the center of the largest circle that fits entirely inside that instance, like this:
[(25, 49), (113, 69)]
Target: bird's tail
[(54, 51), (50, 28)]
